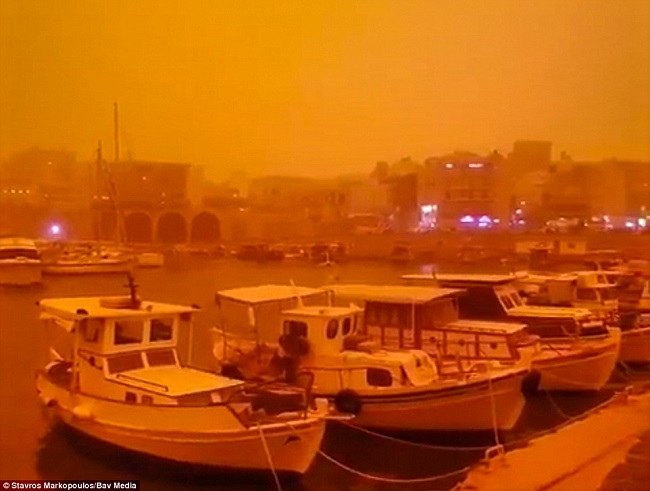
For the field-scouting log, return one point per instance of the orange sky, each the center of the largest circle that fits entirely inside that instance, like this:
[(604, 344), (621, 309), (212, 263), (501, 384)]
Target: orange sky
[(324, 87)]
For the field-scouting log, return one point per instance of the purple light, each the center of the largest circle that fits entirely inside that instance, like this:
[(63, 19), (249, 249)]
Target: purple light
[(467, 219), (55, 229), (485, 219)]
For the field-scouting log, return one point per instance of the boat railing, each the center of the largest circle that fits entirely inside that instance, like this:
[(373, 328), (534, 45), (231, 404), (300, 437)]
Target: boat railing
[(163, 387)]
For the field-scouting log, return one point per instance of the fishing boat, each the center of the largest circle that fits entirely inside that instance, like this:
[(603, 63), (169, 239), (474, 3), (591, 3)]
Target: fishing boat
[(405, 317), (122, 382), (386, 389), (20, 262), (579, 351), (593, 290)]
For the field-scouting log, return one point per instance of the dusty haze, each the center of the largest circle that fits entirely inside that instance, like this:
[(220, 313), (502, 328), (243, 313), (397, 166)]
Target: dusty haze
[(324, 87)]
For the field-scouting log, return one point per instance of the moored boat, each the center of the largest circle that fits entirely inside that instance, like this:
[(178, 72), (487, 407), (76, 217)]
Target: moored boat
[(386, 389), (20, 262), (124, 384), (579, 351)]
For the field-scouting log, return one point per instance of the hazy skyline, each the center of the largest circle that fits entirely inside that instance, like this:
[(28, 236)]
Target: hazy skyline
[(324, 87)]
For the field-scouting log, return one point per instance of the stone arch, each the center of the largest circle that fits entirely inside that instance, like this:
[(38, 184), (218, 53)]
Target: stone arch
[(172, 228), (206, 227), (138, 227)]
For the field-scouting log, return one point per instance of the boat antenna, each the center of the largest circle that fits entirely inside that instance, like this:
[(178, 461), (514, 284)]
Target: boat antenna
[(133, 291)]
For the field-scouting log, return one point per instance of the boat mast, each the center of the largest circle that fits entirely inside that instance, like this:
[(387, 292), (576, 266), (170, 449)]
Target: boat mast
[(116, 133)]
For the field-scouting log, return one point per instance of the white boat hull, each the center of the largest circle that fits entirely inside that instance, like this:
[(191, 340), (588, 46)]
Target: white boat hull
[(187, 434), (586, 366), (20, 273), (468, 408), (90, 267), (150, 260), (635, 345)]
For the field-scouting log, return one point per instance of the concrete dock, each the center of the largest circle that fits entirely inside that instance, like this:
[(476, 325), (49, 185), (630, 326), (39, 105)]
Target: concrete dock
[(578, 457)]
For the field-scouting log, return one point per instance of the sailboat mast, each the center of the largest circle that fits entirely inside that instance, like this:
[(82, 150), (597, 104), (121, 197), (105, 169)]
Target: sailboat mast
[(116, 134)]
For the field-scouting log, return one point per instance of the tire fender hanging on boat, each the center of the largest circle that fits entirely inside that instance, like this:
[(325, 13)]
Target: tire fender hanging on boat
[(348, 401)]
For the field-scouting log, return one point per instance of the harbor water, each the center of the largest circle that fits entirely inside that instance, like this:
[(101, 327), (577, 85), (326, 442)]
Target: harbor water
[(30, 449)]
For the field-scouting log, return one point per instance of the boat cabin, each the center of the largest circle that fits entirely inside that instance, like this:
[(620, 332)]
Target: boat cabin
[(327, 341), (427, 318), (495, 297), (126, 351), (586, 289)]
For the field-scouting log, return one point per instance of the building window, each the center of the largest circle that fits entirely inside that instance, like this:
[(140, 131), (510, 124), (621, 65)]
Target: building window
[(130, 397), (146, 400), (379, 377)]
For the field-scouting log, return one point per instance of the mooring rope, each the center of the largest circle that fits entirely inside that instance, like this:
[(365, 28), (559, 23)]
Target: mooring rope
[(268, 458), (410, 443)]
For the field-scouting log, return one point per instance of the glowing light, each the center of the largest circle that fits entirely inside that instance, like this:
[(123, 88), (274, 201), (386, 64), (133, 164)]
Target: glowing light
[(485, 219), (642, 222), (449, 166), (467, 219), (518, 211), (475, 165), (55, 229), (483, 224), (629, 224), (435, 207), (496, 220), (522, 203)]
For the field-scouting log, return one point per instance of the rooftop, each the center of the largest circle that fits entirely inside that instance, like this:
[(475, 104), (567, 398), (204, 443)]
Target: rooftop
[(267, 293), (85, 307), (393, 293)]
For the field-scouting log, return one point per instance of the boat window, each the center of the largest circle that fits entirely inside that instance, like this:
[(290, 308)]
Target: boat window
[(332, 328), (123, 363), (372, 314), (146, 400), (608, 294), (161, 357), (295, 328), (161, 330), (128, 332), (505, 299), (130, 397), (379, 377), (384, 316), (586, 294), (90, 329), (347, 326)]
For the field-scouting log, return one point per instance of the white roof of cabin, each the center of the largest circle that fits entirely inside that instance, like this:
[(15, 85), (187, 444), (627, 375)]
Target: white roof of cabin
[(318, 311), (394, 293), (177, 381), (17, 243), (487, 326), (476, 278), (267, 293), (68, 308)]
